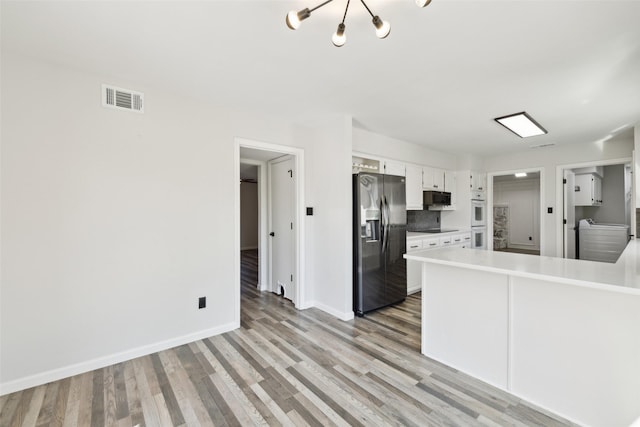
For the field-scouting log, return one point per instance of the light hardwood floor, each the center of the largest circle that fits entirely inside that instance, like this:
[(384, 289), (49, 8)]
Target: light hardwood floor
[(282, 367)]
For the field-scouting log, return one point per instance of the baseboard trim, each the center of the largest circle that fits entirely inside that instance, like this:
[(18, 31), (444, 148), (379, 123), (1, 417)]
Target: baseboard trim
[(330, 310), (101, 362), (414, 290)]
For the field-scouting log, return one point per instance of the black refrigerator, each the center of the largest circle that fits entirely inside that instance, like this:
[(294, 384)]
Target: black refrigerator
[(379, 241)]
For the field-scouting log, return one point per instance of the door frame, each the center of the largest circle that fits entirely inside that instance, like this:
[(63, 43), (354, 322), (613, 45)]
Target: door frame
[(300, 294), (560, 194), (541, 207), (263, 267)]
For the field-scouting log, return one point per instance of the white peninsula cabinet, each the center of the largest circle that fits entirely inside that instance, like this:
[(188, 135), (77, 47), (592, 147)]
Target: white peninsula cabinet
[(563, 334)]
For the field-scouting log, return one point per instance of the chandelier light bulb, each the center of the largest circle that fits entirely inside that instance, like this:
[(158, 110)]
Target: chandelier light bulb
[(339, 37), (383, 28), (422, 3), (295, 18)]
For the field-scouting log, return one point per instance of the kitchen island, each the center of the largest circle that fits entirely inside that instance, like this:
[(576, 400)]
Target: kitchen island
[(561, 333)]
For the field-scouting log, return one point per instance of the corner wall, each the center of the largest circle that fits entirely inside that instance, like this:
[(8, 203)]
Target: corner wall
[(113, 223)]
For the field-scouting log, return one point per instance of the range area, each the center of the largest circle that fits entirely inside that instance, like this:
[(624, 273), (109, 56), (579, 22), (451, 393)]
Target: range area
[(434, 230)]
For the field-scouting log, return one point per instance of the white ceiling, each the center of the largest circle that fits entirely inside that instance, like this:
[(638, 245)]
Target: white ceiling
[(439, 79)]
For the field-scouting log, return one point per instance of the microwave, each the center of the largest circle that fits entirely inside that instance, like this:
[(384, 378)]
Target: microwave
[(436, 198)]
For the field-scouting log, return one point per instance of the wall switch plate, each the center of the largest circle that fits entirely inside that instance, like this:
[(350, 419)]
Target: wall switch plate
[(309, 211), (202, 302), (549, 210)]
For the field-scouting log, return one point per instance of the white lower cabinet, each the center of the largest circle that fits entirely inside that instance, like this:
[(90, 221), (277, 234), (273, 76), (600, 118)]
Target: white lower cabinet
[(414, 268)]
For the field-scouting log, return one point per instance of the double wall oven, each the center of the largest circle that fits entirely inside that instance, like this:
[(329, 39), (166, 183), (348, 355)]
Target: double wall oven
[(478, 221)]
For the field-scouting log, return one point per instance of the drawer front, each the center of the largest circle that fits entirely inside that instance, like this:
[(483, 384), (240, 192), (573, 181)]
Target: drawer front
[(430, 243), (477, 195), (414, 245), (446, 240), (457, 239)]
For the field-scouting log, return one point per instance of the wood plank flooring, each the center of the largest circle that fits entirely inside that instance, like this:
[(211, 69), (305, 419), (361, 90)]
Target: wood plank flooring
[(282, 367)]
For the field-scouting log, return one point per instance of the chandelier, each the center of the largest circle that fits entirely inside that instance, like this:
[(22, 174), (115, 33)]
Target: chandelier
[(383, 28)]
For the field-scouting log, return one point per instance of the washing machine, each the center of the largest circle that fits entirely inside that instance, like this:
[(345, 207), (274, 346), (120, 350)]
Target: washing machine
[(601, 242)]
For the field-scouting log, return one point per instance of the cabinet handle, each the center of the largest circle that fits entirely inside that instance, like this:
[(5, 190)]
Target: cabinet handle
[(432, 244), (457, 240), (479, 188), (413, 247)]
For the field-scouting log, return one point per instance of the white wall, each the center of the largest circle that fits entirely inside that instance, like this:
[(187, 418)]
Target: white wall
[(390, 148), (248, 215), (523, 198), (548, 159), (113, 222)]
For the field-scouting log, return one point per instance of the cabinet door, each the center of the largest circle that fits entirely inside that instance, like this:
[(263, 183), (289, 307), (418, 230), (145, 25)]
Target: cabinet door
[(427, 178), (597, 190), (450, 184), (432, 178), (414, 187), (438, 179), (478, 181), (394, 168), (583, 190)]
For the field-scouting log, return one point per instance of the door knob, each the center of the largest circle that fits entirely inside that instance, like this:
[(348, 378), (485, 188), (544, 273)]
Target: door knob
[(272, 234)]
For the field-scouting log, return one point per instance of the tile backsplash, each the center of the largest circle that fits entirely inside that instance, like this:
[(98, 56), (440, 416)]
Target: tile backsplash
[(421, 220)]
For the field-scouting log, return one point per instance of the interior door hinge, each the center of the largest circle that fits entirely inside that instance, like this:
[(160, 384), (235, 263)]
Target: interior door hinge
[(292, 226), (290, 173), (564, 180), (292, 277), (564, 221)]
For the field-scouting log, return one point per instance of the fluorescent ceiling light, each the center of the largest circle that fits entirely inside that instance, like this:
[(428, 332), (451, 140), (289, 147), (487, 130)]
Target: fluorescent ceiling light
[(521, 124), (520, 174)]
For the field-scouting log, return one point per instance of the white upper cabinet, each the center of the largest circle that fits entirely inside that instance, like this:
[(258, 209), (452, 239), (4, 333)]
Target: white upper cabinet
[(478, 181), (432, 178), (394, 168), (588, 190), (414, 187), (450, 182)]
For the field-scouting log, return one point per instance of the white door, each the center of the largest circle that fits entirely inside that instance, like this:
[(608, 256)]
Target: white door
[(282, 219), (569, 215)]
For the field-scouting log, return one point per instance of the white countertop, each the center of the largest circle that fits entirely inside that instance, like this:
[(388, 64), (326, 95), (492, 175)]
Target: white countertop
[(416, 235), (623, 276)]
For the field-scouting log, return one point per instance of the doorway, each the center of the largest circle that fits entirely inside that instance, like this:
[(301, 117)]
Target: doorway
[(593, 193), (514, 212), (271, 160)]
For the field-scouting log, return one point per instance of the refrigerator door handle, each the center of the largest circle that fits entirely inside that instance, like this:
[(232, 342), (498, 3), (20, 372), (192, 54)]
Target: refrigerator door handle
[(386, 215), (383, 226), (388, 220)]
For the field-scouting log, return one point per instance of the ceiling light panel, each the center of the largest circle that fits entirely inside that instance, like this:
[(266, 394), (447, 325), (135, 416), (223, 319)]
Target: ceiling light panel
[(521, 124)]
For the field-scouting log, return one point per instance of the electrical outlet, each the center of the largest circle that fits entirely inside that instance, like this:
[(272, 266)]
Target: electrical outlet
[(202, 302)]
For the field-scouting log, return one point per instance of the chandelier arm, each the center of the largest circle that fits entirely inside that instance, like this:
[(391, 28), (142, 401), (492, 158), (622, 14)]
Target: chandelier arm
[(320, 5), (345, 11), (367, 7)]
